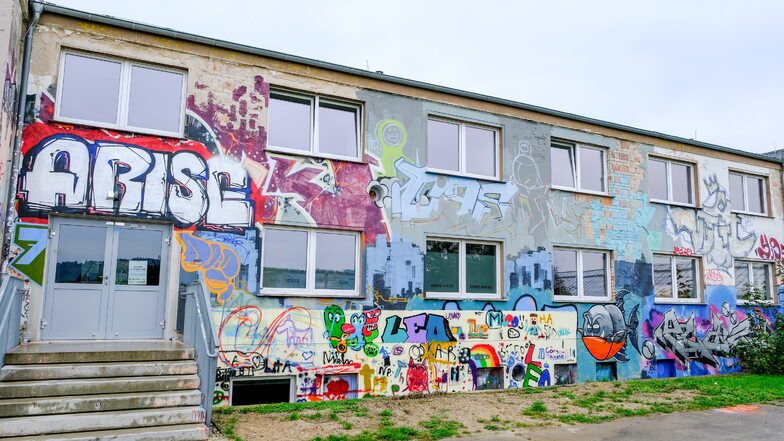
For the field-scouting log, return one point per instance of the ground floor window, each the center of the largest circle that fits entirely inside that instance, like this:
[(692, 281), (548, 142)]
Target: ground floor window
[(581, 274), (753, 281), (675, 278), (307, 261), (462, 268)]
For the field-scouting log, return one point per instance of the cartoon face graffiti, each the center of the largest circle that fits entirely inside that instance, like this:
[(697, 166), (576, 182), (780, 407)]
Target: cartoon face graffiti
[(605, 330), (334, 319), (416, 377)]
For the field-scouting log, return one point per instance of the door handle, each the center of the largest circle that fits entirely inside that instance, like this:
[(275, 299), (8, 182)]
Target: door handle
[(106, 280)]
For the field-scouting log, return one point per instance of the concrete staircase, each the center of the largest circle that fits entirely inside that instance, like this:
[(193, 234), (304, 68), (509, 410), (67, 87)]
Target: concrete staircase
[(128, 391)]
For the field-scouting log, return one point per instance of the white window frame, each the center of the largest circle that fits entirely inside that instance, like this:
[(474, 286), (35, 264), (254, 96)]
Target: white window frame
[(125, 89), (668, 167), (315, 100), (575, 151), (310, 266), (770, 299), (674, 291), (764, 195), (581, 297), (463, 294), (461, 147)]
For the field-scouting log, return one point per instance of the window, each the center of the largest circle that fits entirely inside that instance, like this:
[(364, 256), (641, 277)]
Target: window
[(462, 148), (670, 181), (299, 261), (581, 274), (675, 278), (747, 193), (578, 167), (120, 94), (462, 269), (753, 275), (308, 124)]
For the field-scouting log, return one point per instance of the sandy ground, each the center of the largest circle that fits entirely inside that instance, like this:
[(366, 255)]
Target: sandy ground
[(479, 412)]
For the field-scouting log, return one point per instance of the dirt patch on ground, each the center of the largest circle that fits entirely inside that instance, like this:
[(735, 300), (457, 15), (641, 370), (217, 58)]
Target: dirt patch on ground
[(436, 416)]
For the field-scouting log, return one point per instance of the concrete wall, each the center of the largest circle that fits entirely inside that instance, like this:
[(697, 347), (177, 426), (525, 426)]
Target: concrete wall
[(398, 341)]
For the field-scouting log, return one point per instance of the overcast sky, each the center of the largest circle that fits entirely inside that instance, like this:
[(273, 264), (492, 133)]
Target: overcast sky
[(710, 70)]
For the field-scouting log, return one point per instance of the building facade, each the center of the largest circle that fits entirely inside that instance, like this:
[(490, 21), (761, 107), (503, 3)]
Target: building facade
[(361, 234)]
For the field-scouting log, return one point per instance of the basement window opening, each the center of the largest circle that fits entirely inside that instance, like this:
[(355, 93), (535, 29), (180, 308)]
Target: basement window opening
[(260, 391)]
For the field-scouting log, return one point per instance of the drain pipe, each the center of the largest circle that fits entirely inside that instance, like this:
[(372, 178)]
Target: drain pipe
[(20, 116)]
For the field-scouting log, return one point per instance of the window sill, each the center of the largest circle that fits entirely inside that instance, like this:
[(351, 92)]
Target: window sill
[(129, 130), (765, 303), (582, 192), (669, 301), (311, 294), (563, 299), (674, 204), (448, 296), (436, 171), (293, 152), (751, 213)]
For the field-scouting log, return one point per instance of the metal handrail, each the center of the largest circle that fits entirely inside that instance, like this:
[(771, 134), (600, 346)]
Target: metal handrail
[(11, 313), (211, 342)]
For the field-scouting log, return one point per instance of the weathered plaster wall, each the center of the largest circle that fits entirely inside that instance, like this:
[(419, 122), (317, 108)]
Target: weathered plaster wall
[(392, 340)]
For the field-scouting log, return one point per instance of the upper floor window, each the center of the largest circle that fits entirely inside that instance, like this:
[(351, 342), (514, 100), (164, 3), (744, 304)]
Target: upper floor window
[(309, 124), (578, 167), (462, 148), (748, 193), (581, 274), (753, 276), (308, 261), (675, 278), (670, 181), (462, 268), (120, 94)]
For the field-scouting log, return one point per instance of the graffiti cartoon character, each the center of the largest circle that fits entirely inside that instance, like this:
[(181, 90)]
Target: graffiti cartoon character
[(605, 330), (334, 319), (416, 377), (353, 329), (370, 331)]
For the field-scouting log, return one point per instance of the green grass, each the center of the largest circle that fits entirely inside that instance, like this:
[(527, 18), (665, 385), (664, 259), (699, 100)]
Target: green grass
[(595, 406)]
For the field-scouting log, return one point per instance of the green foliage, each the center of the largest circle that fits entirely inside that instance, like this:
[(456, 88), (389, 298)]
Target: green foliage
[(346, 425), (762, 350), (385, 413), (438, 428), (493, 427), (536, 408)]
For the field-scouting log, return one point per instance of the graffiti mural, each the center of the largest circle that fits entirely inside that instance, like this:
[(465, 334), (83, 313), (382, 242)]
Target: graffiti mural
[(375, 352), (606, 330)]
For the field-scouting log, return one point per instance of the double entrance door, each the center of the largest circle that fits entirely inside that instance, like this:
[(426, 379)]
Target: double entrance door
[(105, 280)]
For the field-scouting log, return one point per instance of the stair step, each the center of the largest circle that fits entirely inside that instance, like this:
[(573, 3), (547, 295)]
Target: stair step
[(98, 352), (52, 388), (185, 432), (95, 421), (97, 403), (27, 372)]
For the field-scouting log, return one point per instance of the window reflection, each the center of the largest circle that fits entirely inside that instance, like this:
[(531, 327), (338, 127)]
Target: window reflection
[(80, 254)]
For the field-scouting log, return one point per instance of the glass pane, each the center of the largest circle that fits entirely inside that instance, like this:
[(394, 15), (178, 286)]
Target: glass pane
[(681, 183), (662, 277), (657, 179), (762, 279), (155, 99), (594, 274), (480, 151), (442, 266), (562, 166), (686, 273), (336, 261), (80, 254), (285, 258), (337, 129), (443, 140), (481, 271), (756, 194), (565, 272), (736, 192), (742, 279), (90, 89), (139, 257), (289, 122), (591, 169)]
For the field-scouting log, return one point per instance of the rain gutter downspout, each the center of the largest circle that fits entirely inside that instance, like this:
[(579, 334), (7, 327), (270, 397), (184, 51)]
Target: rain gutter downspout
[(20, 117)]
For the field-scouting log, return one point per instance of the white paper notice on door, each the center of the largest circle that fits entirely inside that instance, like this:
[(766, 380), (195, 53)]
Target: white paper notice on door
[(137, 272)]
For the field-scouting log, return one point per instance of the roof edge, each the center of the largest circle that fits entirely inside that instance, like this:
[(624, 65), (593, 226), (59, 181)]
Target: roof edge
[(171, 33)]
